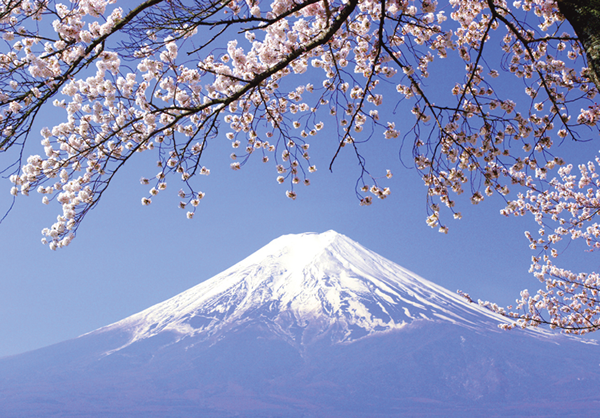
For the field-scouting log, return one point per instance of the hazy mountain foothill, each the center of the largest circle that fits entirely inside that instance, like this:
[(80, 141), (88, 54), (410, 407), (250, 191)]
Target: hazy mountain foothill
[(311, 325)]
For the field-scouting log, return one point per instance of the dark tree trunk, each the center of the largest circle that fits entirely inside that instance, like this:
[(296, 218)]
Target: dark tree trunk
[(584, 16)]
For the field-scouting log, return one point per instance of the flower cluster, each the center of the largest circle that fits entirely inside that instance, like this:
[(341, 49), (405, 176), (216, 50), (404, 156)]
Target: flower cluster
[(564, 212), (152, 80)]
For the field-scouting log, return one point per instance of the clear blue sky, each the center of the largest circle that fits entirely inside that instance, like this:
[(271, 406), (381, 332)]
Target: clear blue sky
[(127, 257)]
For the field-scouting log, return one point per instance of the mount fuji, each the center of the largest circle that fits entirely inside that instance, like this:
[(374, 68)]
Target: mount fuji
[(311, 325)]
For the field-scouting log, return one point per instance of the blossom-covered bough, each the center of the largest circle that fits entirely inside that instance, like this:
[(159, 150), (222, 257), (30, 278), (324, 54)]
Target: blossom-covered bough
[(169, 77)]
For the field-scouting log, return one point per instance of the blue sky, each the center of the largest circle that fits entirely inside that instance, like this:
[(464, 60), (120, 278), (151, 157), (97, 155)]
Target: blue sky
[(127, 257)]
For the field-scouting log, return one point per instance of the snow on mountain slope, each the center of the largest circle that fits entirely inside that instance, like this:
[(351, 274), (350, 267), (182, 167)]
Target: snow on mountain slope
[(303, 287), (310, 325)]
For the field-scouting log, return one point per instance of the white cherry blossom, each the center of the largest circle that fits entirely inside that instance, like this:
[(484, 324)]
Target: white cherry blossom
[(153, 81)]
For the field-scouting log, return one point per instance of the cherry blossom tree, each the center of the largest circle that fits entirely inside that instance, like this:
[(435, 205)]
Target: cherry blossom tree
[(169, 77)]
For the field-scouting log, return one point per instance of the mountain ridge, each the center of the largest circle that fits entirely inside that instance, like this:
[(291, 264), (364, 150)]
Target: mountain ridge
[(311, 325), (318, 282)]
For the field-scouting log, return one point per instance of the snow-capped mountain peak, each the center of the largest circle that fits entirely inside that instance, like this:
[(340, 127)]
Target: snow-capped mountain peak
[(310, 325), (306, 287)]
